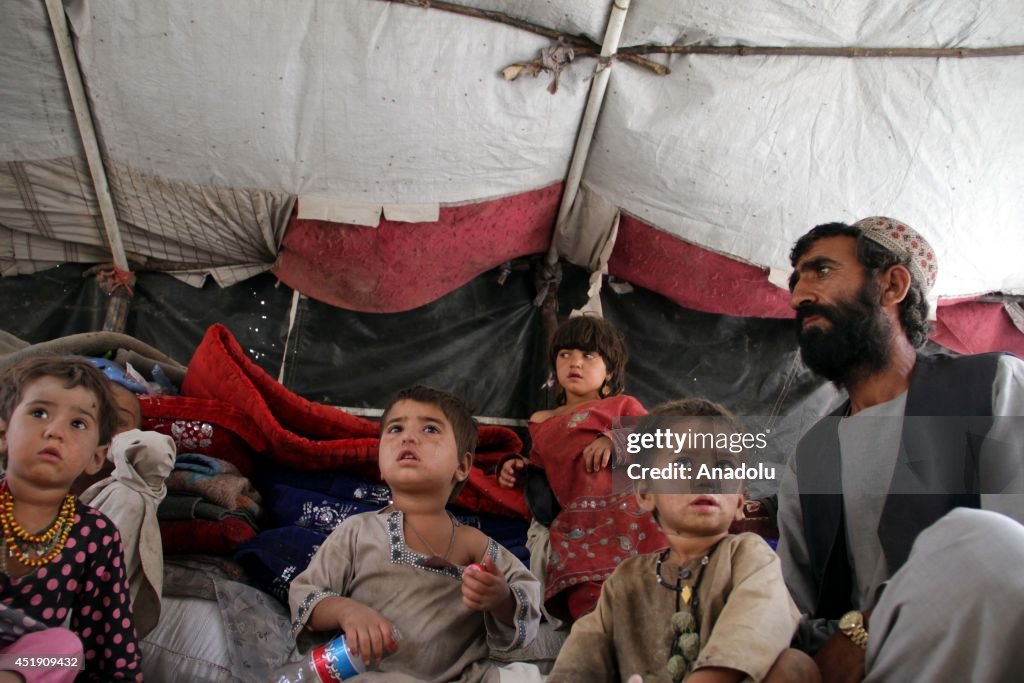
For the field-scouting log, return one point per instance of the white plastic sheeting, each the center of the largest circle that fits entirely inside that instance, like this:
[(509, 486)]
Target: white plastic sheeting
[(827, 23), (366, 101), (744, 155), (214, 115)]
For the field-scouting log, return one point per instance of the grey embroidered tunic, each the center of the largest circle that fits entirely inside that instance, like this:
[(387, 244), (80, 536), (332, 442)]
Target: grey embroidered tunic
[(366, 559)]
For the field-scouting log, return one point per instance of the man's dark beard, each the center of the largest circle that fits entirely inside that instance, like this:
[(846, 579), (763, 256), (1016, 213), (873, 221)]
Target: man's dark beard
[(855, 343)]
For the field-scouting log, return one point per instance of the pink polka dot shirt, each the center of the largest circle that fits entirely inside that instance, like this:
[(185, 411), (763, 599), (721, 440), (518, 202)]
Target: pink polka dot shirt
[(87, 582)]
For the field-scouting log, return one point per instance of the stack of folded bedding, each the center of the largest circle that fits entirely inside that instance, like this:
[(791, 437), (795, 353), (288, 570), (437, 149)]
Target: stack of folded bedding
[(253, 454), (210, 506)]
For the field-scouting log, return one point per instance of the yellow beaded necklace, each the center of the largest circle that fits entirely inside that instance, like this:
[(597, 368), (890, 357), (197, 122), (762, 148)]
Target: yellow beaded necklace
[(41, 547)]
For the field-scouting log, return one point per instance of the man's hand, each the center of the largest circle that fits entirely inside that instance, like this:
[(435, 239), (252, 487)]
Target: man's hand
[(367, 633), (485, 589), (597, 455), (511, 475), (840, 660)]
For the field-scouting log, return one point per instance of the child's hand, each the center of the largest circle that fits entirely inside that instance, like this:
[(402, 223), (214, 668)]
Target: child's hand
[(597, 455), (485, 589), (367, 633), (636, 678), (511, 473)]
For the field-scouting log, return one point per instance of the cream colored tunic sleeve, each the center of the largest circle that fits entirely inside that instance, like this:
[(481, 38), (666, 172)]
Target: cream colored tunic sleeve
[(750, 618), (330, 572), (746, 619)]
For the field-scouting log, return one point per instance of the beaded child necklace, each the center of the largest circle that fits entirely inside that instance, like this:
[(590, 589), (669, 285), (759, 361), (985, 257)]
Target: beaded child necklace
[(33, 550), (434, 560), (685, 628)]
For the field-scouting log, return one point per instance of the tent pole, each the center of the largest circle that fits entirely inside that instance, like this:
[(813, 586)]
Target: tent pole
[(288, 337), (612, 34), (117, 308)]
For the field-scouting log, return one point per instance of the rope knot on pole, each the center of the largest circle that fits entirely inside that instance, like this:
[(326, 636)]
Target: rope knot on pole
[(112, 279)]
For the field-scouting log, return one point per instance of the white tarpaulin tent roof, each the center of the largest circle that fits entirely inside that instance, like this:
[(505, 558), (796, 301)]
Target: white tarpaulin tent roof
[(214, 116)]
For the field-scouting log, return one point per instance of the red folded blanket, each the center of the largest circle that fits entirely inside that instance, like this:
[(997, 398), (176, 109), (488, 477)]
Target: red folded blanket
[(189, 536), (199, 425), (305, 435)]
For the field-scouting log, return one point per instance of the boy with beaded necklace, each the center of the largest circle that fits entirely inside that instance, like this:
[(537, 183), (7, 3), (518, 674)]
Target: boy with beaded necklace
[(57, 417), (710, 608)]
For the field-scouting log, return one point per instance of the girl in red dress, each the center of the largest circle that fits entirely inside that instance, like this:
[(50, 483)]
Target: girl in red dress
[(595, 528)]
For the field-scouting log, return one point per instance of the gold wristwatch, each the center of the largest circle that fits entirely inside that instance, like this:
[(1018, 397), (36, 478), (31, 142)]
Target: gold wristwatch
[(852, 625)]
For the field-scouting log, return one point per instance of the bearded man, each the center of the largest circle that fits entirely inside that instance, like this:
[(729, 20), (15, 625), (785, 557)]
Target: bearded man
[(900, 513)]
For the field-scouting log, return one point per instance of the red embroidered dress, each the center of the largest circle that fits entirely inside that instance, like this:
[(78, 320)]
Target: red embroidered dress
[(596, 529)]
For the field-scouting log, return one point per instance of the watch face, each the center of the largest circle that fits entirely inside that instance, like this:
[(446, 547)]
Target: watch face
[(850, 620)]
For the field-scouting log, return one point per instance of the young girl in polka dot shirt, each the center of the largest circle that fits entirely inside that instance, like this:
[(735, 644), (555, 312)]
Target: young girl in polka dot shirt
[(61, 563)]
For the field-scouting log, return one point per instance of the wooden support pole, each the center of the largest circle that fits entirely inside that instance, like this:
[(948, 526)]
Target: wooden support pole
[(86, 130), (595, 99), (120, 296), (117, 311), (847, 52)]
